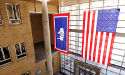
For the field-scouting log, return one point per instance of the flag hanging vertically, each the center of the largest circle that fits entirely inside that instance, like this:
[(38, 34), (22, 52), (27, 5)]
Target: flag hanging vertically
[(99, 28), (61, 32)]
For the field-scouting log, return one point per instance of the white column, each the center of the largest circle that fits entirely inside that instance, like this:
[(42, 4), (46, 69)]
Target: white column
[(46, 31)]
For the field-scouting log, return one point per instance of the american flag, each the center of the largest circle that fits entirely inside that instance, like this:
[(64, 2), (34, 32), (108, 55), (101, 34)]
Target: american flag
[(99, 28)]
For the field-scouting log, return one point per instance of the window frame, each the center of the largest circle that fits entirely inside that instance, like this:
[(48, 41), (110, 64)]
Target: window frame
[(1, 18), (14, 14), (4, 59), (20, 51)]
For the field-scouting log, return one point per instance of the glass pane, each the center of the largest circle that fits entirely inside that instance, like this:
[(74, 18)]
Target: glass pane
[(123, 65), (103, 71), (114, 70), (0, 16), (116, 62), (73, 38), (74, 17), (75, 7), (0, 22), (80, 34), (17, 12), (62, 8), (121, 24), (120, 39), (121, 2), (72, 42), (6, 52), (84, 6), (112, 7), (82, 11), (122, 72), (68, 8), (81, 17), (72, 33), (75, 23), (119, 46), (121, 16), (0, 19), (111, 73), (122, 8), (76, 12), (17, 47), (110, 2), (118, 52), (1, 55), (23, 47), (97, 4), (120, 30), (10, 11), (116, 57), (96, 9)]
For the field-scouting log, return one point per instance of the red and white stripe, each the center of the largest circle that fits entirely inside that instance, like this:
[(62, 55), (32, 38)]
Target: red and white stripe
[(96, 46)]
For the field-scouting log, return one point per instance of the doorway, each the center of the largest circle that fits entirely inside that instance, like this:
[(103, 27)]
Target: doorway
[(38, 37)]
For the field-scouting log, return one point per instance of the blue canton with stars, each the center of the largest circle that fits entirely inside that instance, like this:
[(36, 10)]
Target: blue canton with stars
[(107, 20)]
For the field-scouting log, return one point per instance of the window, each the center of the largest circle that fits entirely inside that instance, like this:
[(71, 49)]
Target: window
[(117, 66), (20, 50), (1, 19), (4, 56), (13, 12)]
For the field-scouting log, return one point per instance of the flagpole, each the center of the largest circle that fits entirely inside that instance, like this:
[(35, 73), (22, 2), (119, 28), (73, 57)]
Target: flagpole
[(46, 31)]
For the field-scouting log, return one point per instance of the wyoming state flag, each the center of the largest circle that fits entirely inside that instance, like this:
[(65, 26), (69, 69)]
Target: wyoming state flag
[(61, 32)]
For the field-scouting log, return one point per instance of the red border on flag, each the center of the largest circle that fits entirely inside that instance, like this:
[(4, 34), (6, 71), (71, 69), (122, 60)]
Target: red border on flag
[(61, 15)]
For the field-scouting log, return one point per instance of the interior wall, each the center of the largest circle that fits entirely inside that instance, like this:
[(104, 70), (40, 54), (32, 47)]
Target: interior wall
[(37, 28), (37, 31), (51, 29)]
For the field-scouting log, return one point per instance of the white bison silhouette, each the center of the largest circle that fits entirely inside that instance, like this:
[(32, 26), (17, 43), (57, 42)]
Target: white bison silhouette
[(61, 32)]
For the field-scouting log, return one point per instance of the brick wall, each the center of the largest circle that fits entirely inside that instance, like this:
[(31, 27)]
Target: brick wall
[(12, 34)]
